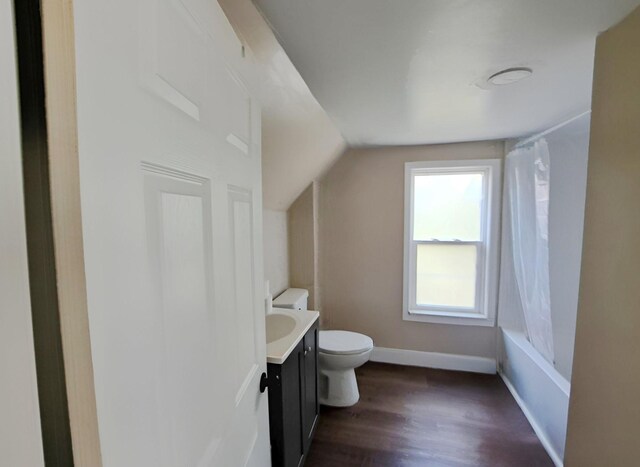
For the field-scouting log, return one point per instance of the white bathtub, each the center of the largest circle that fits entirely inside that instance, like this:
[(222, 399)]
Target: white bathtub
[(541, 392)]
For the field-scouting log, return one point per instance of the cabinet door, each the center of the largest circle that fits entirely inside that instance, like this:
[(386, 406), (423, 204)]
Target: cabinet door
[(293, 442), (310, 404)]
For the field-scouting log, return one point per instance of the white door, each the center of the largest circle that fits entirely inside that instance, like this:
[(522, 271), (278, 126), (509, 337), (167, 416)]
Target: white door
[(20, 438), (169, 147)]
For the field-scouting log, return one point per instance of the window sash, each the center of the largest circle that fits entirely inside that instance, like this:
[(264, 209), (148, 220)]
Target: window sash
[(446, 310), (483, 171), (478, 310), (488, 251)]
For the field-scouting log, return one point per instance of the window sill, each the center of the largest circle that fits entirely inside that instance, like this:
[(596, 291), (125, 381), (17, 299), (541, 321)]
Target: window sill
[(447, 317)]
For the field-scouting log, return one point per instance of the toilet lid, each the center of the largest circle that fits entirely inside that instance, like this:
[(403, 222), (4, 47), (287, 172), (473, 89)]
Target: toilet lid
[(344, 342)]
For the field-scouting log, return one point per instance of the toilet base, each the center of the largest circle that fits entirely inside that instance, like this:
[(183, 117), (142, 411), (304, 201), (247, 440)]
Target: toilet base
[(338, 388)]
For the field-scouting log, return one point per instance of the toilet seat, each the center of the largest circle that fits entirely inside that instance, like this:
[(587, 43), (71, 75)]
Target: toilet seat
[(344, 342)]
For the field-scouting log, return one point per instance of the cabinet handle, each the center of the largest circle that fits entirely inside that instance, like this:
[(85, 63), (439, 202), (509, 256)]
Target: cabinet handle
[(307, 350)]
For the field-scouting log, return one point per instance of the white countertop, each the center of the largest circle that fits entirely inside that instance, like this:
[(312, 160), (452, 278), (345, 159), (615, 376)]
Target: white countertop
[(279, 349)]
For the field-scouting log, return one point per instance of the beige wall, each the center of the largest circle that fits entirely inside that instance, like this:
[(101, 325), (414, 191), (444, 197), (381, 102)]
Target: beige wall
[(303, 244), (276, 250), (361, 221), (604, 412)]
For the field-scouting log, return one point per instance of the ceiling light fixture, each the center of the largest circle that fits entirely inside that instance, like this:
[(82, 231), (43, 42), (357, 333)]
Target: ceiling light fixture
[(509, 76)]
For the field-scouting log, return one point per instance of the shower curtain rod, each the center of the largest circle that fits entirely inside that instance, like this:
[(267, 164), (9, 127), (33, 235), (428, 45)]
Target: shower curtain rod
[(532, 139)]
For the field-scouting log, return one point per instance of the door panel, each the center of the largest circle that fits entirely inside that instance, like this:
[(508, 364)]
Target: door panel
[(238, 118), (241, 233), (174, 52), (171, 224), (179, 215)]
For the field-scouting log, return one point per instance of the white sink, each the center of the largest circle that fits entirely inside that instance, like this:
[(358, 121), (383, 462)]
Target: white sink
[(279, 325), (285, 328)]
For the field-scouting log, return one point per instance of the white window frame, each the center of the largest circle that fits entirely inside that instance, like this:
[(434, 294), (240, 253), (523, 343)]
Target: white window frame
[(488, 248)]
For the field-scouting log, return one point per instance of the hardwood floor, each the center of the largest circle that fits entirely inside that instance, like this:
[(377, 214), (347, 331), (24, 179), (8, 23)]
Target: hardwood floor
[(411, 416)]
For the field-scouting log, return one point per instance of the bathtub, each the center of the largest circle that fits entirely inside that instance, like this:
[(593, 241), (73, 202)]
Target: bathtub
[(541, 392)]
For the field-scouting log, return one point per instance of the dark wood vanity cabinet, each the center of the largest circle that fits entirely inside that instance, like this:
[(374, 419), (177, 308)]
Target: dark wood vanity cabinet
[(293, 402)]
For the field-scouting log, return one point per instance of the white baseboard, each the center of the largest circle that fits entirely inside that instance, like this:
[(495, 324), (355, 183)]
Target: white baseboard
[(442, 361), (533, 422)]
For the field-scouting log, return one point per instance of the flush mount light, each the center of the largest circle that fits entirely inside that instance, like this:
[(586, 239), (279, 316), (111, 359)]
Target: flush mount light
[(509, 76)]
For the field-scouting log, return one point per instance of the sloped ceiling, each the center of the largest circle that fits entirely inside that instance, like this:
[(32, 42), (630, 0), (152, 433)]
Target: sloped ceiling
[(392, 72), (299, 141)]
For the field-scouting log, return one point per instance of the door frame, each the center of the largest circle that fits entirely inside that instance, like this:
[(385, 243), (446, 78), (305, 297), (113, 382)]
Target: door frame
[(20, 426), (45, 37), (52, 392)]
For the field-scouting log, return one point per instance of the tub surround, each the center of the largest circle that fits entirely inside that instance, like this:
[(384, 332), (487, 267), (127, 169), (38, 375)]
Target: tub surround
[(568, 153), (539, 389)]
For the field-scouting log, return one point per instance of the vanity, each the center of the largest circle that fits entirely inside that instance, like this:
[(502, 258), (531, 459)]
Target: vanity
[(292, 367)]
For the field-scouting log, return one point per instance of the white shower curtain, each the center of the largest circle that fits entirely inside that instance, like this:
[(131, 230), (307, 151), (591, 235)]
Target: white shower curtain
[(527, 191)]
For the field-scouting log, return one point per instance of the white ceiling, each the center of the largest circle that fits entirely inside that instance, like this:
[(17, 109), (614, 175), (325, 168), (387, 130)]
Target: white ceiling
[(405, 71)]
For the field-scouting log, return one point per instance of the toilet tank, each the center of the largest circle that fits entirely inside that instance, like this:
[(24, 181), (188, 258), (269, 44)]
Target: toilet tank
[(292, 298)]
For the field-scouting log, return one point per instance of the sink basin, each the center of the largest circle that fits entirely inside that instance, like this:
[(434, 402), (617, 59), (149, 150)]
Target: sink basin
[(285, 328), (279, 326)]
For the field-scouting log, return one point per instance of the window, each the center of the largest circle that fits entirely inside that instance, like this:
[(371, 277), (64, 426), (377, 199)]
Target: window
[(450, 246)]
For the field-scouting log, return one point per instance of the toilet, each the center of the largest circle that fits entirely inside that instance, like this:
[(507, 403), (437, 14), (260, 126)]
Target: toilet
[(339, 354)]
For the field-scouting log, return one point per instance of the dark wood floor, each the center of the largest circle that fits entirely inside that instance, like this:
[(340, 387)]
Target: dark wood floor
[(411, 416)]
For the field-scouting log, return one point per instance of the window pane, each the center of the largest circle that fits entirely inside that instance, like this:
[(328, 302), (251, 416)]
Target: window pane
[(447, 206), (446, 275)]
